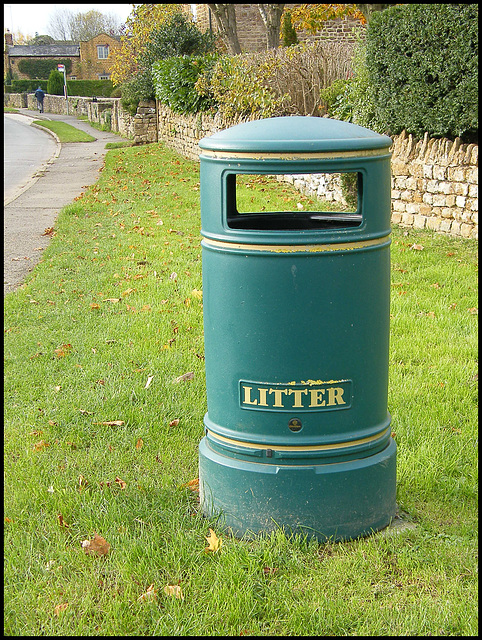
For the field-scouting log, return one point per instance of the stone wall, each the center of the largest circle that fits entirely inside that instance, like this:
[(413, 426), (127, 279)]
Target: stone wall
[(434, 182)]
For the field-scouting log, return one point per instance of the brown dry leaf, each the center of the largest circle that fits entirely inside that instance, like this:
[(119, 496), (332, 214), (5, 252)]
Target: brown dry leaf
[(62, 522), (39, 446), (62, 351), (174, 590), (111, 423), (417, 247), (192, 484), (48, 231), (149, 595), (186, 376), (214, 542), (111, 300), (127, 292), (94, 305), (60, 607), (139, 443), (473, 310), (120, 482), (97, 546), (174, 423)]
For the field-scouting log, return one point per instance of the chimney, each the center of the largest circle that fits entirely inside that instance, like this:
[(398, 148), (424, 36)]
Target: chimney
[(8, 38)]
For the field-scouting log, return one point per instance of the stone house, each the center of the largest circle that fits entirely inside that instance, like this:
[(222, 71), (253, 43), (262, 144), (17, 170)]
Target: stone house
[(91, 60)]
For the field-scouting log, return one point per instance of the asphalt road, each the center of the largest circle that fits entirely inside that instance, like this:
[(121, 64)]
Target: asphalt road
[(34, 208), (26, 150)]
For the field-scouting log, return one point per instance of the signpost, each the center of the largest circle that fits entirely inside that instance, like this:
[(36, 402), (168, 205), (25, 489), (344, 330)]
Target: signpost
[(61, 68)]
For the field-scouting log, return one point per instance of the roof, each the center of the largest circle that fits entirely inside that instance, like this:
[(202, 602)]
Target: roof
[(37, 51)]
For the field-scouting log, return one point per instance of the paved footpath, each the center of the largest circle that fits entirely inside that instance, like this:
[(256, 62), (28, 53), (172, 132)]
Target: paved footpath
[(27, 214)]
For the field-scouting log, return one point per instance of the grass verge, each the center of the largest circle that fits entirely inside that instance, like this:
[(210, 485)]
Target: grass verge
[(65, 132), (100, 438)]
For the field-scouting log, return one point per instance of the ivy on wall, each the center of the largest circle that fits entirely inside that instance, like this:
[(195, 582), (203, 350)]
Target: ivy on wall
[(42, 68)]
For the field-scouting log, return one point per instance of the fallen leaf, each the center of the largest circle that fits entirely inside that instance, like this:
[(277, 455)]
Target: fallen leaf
[(197, 294), (174, 590), (139, 443), (417, 247), (97, 546), (82, 482), (121, 483), (111, 300), (62, 351), (94, 305), (127, 292), (186, 376), (39, 446), (149, 595), (60, 607), (62, 522), (174, 423), (111, 423), (473, 310), (192, 484), (48, 231), (214, 542)]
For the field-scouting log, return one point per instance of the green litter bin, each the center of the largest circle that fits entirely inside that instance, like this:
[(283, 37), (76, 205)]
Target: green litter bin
[(296, 329)]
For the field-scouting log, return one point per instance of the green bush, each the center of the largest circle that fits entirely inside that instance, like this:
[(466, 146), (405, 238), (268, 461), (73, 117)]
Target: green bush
[(175, 79), (422, 61), (88, 88), (239, 86), (55, 83), (25, 86)]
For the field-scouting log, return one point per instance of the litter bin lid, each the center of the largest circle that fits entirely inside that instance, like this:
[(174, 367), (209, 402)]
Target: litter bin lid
[(289, 134)]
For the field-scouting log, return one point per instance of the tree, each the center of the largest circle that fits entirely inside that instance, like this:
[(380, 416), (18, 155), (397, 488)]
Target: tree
[(271, 15), (225, 18), (143, 20), (369, 9), (66, 25)]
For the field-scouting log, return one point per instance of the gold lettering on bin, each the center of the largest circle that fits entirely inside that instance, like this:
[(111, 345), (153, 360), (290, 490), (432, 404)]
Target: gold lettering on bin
[(312, 395)]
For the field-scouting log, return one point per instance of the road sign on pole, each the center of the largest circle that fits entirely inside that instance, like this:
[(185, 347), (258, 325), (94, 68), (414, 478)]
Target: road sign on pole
[(61, 68)]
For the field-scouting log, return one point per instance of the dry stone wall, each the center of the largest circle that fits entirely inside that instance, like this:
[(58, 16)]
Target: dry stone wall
[(434, 182)]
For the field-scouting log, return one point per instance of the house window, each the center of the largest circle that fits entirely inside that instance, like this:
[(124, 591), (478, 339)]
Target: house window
[(102, 51), (104, 76)]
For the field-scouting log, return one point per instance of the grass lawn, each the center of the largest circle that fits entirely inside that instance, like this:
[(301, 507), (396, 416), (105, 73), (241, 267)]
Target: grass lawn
[(101, 438), (65, 132)]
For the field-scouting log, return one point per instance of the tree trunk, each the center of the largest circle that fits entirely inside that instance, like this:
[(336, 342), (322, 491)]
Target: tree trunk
[(271, 15), (225, 17)]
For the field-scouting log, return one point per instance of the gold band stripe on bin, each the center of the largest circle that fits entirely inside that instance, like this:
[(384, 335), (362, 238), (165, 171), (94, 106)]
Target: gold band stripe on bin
[(293, 156), (318, 447), (293, 248)]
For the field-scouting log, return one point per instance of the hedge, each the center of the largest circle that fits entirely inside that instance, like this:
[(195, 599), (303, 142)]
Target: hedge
[(83, 88), (422, 62)]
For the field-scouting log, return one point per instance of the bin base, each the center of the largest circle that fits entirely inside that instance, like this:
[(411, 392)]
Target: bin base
[(338, 501)]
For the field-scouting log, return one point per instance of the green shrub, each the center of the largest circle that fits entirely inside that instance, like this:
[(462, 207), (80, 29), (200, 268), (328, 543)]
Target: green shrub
[(239, 86), (88, 88), (55, 83), (25, 86), (175, 79), (422, 62)]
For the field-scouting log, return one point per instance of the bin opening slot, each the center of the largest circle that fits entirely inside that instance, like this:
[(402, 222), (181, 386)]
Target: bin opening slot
[(271, 202)]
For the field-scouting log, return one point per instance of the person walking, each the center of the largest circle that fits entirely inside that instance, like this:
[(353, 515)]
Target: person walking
[(39, 94)]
